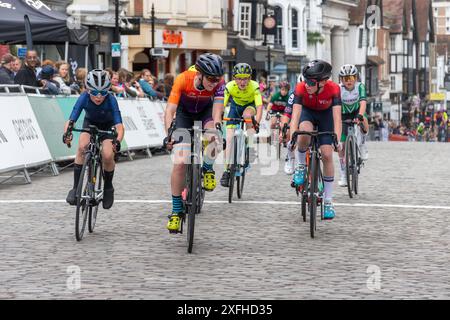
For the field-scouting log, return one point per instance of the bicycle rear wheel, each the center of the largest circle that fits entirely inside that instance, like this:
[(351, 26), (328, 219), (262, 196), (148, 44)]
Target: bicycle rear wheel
[(93, 210), (357, 169), (193, 195), (350, 164), (240, 180), (313, 194), (83, 195)]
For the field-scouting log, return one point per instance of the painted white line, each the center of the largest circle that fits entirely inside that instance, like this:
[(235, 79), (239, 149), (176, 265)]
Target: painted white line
[(289, 203)]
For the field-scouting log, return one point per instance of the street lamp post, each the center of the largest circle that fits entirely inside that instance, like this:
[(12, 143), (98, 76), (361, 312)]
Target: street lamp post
[(153, 38), (116, 60)]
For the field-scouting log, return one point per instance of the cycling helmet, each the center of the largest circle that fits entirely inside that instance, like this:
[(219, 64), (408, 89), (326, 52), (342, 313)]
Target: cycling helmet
[(210, 64), (300, 78), (285, 84), (348, 70), (317, 70), (242, 70), (99, 80)]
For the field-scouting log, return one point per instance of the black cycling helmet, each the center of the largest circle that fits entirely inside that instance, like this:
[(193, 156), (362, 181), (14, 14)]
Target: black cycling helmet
[(210, 64), (317, 70)]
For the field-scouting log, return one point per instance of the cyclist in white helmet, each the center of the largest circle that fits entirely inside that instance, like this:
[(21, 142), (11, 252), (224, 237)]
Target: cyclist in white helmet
[(102, 110), (353, 97)]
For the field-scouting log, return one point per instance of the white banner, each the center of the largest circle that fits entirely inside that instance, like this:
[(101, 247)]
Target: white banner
[(21, 141), (143, 127)]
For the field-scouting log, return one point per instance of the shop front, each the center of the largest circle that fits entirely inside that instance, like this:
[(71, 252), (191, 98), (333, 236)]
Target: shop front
[(175, 49)]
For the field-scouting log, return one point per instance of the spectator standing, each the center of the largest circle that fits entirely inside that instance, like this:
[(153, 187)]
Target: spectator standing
[(51, 86), (116, 86), (63, 77), (27, 74), (16, 65), (146, 84), (168, 84), (6, 69), (80, 78)]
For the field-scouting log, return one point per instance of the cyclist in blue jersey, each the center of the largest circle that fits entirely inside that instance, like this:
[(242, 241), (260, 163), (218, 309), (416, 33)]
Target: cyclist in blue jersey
[(102, 110)]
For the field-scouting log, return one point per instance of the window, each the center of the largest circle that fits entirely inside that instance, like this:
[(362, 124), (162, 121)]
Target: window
[(393, 44), (279, 34), (393, 84), (294, 28), (259, 20), (244, 19), (360, 40), (393, 63)]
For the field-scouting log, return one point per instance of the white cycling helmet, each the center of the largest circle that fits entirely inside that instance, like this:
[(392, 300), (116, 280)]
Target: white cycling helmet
[(99, 80), (348, 70)]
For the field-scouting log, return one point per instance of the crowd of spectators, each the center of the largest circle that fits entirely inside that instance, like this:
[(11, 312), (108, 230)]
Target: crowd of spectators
[(56, 77)]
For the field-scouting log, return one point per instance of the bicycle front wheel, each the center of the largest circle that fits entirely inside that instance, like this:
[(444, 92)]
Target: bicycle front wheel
[(350, 164), (233, 168), (194, 193), (240, 180), (313, 190), (98, 195), (83, 198)]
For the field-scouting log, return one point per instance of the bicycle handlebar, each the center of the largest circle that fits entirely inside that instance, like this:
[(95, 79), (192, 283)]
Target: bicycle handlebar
[(314, 134), (252, 121), (93, 130)]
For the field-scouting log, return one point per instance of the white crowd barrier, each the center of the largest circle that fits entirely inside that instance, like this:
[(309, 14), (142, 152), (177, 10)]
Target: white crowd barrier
[(23, 144)]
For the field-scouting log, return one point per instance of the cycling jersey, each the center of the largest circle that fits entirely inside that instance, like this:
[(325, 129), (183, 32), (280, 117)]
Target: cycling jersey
[(351, 98), (290, 104), (190, 99), (329, 97), (107, 112), (279, 102), (249, 95)]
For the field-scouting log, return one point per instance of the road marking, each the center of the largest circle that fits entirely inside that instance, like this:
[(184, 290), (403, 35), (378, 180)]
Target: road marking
[(278, 203)]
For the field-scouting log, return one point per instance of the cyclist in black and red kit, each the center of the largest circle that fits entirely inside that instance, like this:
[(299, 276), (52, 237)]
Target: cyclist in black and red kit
[(317, 102)]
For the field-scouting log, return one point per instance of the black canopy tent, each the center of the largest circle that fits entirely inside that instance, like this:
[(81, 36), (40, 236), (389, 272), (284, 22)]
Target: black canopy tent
[(47, 26)]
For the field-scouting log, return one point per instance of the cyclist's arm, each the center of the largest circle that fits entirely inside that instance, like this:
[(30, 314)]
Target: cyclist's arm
[(120, 131), (218, 106), (169, 115), (226, 95), (362, 99), (117, 117), (174, 100), (77, 109), (337, 118), (258, 105), (269, 106), (296, 113), (219, 103)]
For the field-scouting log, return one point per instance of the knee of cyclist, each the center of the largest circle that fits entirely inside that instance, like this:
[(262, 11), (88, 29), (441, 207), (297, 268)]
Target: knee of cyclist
[(108, 157), (327, 156)]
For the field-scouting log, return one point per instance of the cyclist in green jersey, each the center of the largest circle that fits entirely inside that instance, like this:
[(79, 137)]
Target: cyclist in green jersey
[(353, 97), (245, 101)]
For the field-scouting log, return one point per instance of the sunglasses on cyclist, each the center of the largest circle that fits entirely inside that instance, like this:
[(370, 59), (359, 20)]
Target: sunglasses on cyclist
[(311, 82), (96, 93), (349, 78), (213, 79)]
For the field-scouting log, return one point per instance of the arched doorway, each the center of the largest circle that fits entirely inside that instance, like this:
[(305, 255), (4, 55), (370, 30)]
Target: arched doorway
[(141, 61)]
